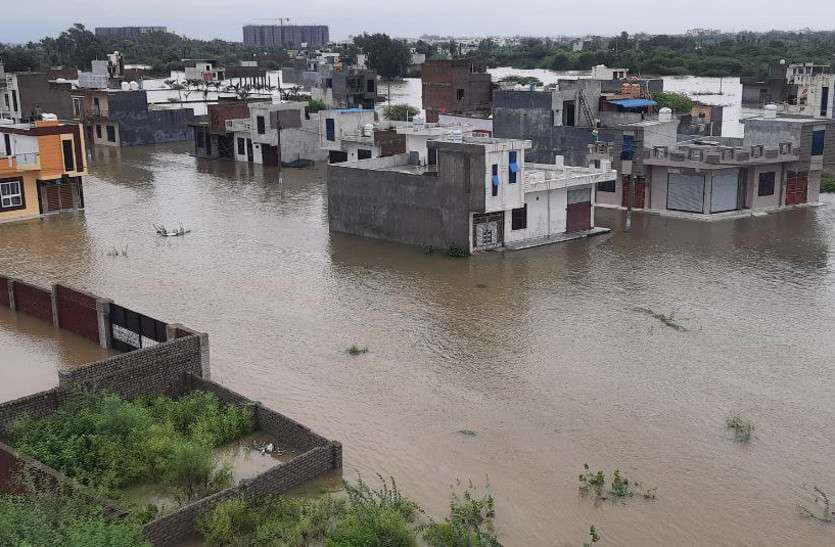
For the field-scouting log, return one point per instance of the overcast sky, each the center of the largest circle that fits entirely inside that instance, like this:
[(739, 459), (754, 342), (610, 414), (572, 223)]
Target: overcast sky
[(224, 18)]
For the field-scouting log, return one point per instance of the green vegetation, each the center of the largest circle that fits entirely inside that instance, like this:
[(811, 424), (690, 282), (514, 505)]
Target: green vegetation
[(822, 509), (594, 483), (668, 320), (356, 350), (108, 443), (77, 46), (677, 102), (35, 520), (457, 252), (731, 54), (515, 79), (594, 536), (364, 517), (389, 57), (828, 183), (742, 428), (315, 105), (400, 112)]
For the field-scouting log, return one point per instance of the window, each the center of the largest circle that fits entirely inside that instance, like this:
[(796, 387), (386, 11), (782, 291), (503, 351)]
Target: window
[(98, 130), (818, 138), (432, 156), (370, 86), (766, 184), (259, 122), (459, 94), (824, 101), (606, 186), (14, 100), (7, 140), (519, 218), (69, 157), (96, 106), (628, 152), (8, 103), (11, 195), (512, 169), (363, 154), (330, 129), (111, 133), (496, 180), (76, 107), (241, 146)]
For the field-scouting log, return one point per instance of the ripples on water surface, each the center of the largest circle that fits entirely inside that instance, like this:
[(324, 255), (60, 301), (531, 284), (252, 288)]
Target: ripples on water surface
[(541, 353)]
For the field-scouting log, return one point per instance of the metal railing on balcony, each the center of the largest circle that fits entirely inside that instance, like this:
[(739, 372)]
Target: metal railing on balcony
[(26, 161)]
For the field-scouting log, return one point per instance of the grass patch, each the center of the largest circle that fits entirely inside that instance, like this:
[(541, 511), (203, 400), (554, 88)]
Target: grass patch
[(364, 516), (594, 483), (457, 252), (39, 519), (108, 443), (743, 429), (356, 350), (828, 183)]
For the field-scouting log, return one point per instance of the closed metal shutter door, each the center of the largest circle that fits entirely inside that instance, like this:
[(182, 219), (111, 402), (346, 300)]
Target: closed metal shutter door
[(686, 193), (724, 192)]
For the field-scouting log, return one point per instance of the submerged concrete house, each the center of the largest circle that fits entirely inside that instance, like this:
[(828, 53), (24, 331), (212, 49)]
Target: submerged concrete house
[(24, 96), (118, 117), (470, 193), (778, 166), (353, 134), (344, 88), (41, 166)]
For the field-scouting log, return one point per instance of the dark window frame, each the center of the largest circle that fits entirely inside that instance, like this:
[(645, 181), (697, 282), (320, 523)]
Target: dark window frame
[(260, 125), (241, 146), (330, 129), (111, 133), (766, 184), (7, 141), (495, 181), (628, 151), (459, 94), (98, 131), (818, 142), (609, 186), (519, 218), (512, 158), (68, 152)]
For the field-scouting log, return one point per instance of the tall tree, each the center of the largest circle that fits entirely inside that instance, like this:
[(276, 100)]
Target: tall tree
[(390, 58)]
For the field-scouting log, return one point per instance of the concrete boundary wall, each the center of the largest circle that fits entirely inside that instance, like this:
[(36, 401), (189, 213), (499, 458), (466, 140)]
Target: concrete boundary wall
[(32, 300)]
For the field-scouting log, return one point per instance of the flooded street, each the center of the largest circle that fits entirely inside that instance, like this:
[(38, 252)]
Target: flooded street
[(544, 354)]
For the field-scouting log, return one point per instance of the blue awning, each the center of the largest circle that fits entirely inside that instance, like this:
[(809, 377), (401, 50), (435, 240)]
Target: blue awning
[(633, 103), (514, 167)]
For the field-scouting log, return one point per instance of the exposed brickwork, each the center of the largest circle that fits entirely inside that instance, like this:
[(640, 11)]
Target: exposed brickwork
[(174, 528), (4, 291), (33, 300), (390, 141), (155, 370), (77, 312), (36, 405)]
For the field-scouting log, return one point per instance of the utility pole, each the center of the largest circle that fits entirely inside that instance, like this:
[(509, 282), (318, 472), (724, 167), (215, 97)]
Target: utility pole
[(629, 189)]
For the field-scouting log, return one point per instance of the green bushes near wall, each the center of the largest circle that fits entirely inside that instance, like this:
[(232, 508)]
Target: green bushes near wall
[(828, 183)]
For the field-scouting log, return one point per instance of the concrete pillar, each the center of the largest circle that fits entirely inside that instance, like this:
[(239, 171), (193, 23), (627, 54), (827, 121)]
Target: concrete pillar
[(205, 366), (171, 331), (11, 294), (53, 297), (103, 315)]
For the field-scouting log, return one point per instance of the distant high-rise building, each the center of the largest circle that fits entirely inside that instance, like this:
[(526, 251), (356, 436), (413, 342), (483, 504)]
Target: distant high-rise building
[(127, 33), (285, 35)]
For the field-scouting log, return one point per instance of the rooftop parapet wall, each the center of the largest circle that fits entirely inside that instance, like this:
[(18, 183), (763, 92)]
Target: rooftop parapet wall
[(719, 157)]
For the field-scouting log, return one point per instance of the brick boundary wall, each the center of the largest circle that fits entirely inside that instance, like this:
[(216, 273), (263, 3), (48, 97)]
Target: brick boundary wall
[(154, 370), (77, 312), (37, 405), (32, 300)]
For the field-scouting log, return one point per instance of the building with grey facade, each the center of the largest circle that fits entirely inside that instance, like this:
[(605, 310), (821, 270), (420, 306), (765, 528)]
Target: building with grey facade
[(463, 192), (286, 36)]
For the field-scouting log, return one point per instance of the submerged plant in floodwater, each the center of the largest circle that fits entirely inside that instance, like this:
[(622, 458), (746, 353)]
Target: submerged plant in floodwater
[(822, 508), (743, 429), (356, 350)]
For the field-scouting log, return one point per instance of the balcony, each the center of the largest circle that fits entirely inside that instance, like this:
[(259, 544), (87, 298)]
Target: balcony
[(30, 161)]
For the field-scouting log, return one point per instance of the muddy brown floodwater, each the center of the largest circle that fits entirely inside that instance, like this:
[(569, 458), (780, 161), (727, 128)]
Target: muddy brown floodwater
[(551, 356)]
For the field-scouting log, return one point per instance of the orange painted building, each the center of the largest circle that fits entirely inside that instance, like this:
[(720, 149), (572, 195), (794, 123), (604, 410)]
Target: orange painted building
[(41, 166)]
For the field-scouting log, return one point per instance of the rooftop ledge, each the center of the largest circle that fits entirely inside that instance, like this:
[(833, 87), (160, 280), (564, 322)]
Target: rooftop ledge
[(720, 156)]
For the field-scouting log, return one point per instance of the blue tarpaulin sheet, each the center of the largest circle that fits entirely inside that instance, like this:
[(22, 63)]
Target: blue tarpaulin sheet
[(514, 167), (496, 180), (633, 103)]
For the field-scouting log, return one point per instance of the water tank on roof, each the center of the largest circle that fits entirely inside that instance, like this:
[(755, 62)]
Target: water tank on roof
[(368, 130), (665, 114), (125, 86), (770, 111), (49, 117), (134, 86)]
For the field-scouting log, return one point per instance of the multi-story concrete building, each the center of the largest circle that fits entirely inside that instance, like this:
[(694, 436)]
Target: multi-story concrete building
[(353, 134), (41, 165), (471, 193), (566, 121), (206, 70), (211, 138), (345, 88), (118, 117), (778, 166), (806, 89), (456, 86), (286, 36), (127, 33), (24, 96)]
